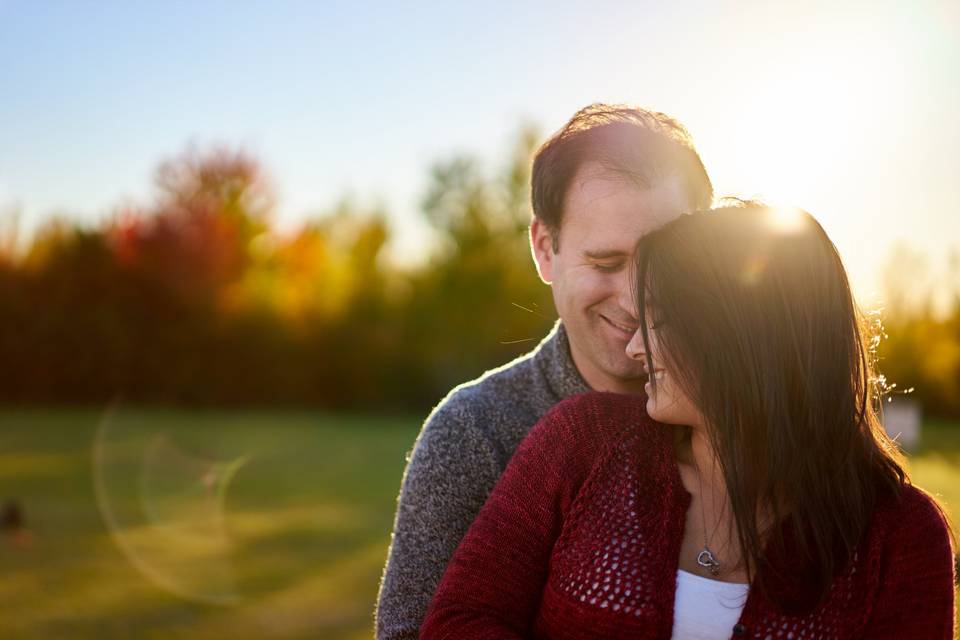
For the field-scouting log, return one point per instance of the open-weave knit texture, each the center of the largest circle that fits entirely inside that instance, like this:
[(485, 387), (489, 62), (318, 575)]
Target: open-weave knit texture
[(581, 539)]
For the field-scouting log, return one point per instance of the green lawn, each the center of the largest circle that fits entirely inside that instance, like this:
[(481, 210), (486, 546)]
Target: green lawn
[(165, 524), (293, 548)]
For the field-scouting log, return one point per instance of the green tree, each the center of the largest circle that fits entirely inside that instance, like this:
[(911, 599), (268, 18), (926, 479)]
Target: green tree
[(478, 302), (921, 346)]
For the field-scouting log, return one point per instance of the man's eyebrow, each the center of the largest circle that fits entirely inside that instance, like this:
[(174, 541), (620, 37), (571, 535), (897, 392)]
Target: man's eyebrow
[(603, 254)]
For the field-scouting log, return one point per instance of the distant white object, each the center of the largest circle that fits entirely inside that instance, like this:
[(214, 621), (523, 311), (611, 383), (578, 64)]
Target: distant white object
[(901, 419)]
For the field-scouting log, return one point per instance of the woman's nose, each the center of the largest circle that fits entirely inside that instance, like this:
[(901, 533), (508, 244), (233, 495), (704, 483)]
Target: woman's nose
[(635, 348)]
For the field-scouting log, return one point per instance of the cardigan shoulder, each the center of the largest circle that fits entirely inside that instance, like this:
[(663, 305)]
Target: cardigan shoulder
[(607, 429), (596, 421), (914, 575), (911, 516), (597, 426), (583, 438), (915, 503)]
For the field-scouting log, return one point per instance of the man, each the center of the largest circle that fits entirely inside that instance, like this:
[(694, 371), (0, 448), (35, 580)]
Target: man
[(609, 176)]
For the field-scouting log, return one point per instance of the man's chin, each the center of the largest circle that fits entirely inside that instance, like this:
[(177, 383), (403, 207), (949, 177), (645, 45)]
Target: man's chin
[(619, 365), (629, 373)]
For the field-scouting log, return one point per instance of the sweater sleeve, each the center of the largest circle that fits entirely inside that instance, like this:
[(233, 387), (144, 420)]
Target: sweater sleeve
[(915, 597), (494, 583), (451, 471)]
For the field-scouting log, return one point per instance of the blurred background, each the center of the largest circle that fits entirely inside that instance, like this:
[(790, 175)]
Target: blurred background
[(245, 247)]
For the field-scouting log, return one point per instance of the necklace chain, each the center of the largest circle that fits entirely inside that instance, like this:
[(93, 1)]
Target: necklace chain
[(705, 558)]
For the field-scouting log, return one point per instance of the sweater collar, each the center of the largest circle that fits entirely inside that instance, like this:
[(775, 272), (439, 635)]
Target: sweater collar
[(554, 359)]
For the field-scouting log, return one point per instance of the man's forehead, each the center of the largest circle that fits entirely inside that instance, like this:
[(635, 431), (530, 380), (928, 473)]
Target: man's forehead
[(594, 182)]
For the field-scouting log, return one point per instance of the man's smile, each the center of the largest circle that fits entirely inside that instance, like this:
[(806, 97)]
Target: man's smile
[(627, 329)]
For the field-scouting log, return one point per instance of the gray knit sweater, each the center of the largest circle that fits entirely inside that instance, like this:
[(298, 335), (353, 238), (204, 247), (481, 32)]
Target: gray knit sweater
[(461, 451)]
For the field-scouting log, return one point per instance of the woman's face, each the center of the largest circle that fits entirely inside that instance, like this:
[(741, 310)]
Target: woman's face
[(666, 403)]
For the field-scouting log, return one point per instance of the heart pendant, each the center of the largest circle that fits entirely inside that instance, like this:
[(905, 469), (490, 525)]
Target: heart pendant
[(706, 560)]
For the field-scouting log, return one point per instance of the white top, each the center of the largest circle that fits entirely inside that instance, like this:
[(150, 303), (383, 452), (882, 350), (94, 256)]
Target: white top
[(706, 609)]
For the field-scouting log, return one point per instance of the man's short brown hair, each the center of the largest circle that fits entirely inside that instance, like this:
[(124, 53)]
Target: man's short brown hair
[(642, 146)]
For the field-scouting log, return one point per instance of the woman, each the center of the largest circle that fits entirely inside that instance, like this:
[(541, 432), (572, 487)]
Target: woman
[(769, 505)]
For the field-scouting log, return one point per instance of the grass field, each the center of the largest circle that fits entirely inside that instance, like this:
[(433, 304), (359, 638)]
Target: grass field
[(165, 524)]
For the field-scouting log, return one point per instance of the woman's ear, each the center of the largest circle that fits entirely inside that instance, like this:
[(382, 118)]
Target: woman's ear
[(541, 246)]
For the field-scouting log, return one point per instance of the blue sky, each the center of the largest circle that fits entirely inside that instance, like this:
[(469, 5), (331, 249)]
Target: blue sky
[(849, 112)]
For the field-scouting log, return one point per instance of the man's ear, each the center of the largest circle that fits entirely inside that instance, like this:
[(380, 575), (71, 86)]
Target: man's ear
[(541, 245)]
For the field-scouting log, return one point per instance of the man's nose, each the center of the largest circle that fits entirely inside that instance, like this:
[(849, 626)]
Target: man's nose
[(625, 298)]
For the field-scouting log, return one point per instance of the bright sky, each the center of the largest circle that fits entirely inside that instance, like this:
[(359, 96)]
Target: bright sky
[(848, 111)]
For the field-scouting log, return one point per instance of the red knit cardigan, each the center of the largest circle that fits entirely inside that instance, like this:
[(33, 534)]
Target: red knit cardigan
[(581, 538)]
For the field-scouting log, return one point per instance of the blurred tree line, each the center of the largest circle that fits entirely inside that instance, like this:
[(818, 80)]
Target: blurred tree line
[(196, 300), (919, 350)]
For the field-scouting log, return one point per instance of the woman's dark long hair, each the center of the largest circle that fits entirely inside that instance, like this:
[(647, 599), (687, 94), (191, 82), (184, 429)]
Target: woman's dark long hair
[(759, 327)]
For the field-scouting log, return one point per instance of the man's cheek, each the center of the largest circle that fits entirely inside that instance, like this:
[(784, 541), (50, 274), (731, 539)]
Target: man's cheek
[(597, 286)]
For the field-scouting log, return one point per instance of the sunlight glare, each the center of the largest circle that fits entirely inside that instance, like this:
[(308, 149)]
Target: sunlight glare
[(787, 220)]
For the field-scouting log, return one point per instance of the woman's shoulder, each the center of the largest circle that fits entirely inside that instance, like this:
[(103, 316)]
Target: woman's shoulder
[(912, 506), (914, 516), (599, 419), (913, 547), (605, 409)]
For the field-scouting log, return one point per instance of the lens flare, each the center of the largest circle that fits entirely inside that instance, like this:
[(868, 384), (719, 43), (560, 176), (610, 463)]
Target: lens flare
[(164, 507), (753, 269)]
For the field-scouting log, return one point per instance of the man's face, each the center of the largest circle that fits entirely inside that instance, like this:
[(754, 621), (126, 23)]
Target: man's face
[(603, 217)]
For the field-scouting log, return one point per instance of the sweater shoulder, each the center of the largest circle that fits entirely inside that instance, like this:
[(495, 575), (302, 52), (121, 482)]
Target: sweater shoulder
[(498, 387), (495, 410), (508, 392), (599, 420), (607, 408), (904, 520), (914, 512)]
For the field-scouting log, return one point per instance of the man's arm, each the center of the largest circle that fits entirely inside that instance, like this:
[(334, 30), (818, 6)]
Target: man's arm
[(452, 470), (493, 585)]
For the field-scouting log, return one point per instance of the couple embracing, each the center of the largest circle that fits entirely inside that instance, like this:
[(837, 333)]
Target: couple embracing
[(692, 452)]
